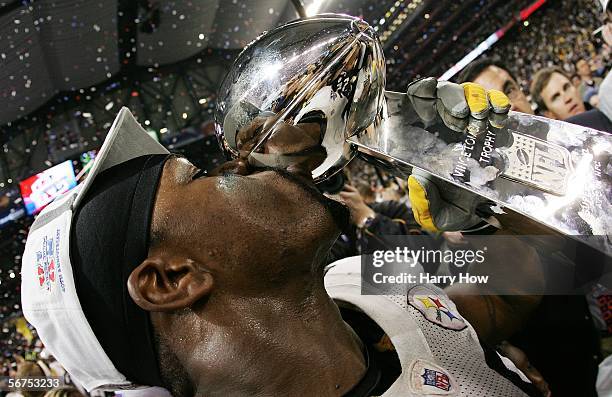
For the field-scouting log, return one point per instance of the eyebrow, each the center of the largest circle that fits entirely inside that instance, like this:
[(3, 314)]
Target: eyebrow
[(555, 96)]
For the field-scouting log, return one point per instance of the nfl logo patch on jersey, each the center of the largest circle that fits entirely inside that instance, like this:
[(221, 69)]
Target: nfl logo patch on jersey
[(436, 307), (429, 379), (437, 379)]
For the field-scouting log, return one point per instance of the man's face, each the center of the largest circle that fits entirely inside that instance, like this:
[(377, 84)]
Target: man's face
[(495, 78), (250, 229), (561, 98), (583, 68)]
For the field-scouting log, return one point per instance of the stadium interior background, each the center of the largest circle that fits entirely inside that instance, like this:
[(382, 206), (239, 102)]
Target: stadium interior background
[(66, 68)]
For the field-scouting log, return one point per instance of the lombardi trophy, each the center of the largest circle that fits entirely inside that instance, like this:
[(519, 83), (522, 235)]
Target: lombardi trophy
[(310, 94)]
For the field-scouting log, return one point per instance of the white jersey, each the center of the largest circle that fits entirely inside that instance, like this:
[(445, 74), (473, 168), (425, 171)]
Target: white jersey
[(438, 349)]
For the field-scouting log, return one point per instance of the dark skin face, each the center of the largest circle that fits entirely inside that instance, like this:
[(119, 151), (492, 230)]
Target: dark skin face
[(234, 285)]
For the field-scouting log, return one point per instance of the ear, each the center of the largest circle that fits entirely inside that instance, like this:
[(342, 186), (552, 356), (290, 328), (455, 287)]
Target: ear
[(550, 115), (159, 285)]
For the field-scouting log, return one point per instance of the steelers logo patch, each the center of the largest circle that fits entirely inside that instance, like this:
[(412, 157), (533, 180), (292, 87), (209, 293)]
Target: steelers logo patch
[(436, 307)]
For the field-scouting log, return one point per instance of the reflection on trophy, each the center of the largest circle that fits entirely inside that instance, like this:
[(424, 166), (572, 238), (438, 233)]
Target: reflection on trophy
[(324, 76), (310, 95)]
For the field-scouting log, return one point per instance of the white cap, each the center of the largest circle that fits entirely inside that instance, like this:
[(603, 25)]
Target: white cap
[(48, 292)]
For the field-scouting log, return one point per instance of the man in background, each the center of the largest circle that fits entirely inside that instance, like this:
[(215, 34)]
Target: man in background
[(555, 95), (589, 85), (557, 98), (493, 75)]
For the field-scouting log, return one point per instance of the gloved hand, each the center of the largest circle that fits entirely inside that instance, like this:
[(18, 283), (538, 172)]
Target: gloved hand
[(438, 205), (465, 107)]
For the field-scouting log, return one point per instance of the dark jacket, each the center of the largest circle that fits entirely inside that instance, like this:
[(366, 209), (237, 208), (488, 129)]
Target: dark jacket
[(592, 119)]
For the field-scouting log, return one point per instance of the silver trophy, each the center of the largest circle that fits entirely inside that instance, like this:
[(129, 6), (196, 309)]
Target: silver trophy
[(310, 95)]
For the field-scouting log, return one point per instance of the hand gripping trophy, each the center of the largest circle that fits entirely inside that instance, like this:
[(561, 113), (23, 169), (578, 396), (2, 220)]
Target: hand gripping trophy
[(310, 95)]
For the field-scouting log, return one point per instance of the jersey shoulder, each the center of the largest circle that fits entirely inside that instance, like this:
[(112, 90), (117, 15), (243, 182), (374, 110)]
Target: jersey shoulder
[(438, 349)]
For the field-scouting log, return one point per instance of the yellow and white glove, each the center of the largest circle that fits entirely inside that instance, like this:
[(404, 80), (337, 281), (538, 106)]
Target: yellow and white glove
[(462, 107), (438, 205)]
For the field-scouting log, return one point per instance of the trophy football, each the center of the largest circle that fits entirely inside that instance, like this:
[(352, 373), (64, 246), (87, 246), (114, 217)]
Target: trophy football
[(310, 95)]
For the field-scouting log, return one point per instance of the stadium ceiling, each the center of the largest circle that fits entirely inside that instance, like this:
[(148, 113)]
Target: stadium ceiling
[(51, 46)]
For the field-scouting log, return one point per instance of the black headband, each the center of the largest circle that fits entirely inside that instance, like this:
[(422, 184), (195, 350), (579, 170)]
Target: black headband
[(109, 239)]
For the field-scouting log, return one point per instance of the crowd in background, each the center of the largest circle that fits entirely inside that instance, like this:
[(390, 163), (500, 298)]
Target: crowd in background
[(558, 36), (12, 342)]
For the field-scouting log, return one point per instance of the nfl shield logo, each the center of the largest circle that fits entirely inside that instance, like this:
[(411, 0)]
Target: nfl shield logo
[(436, 379), (538, 163), (430, 379)]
